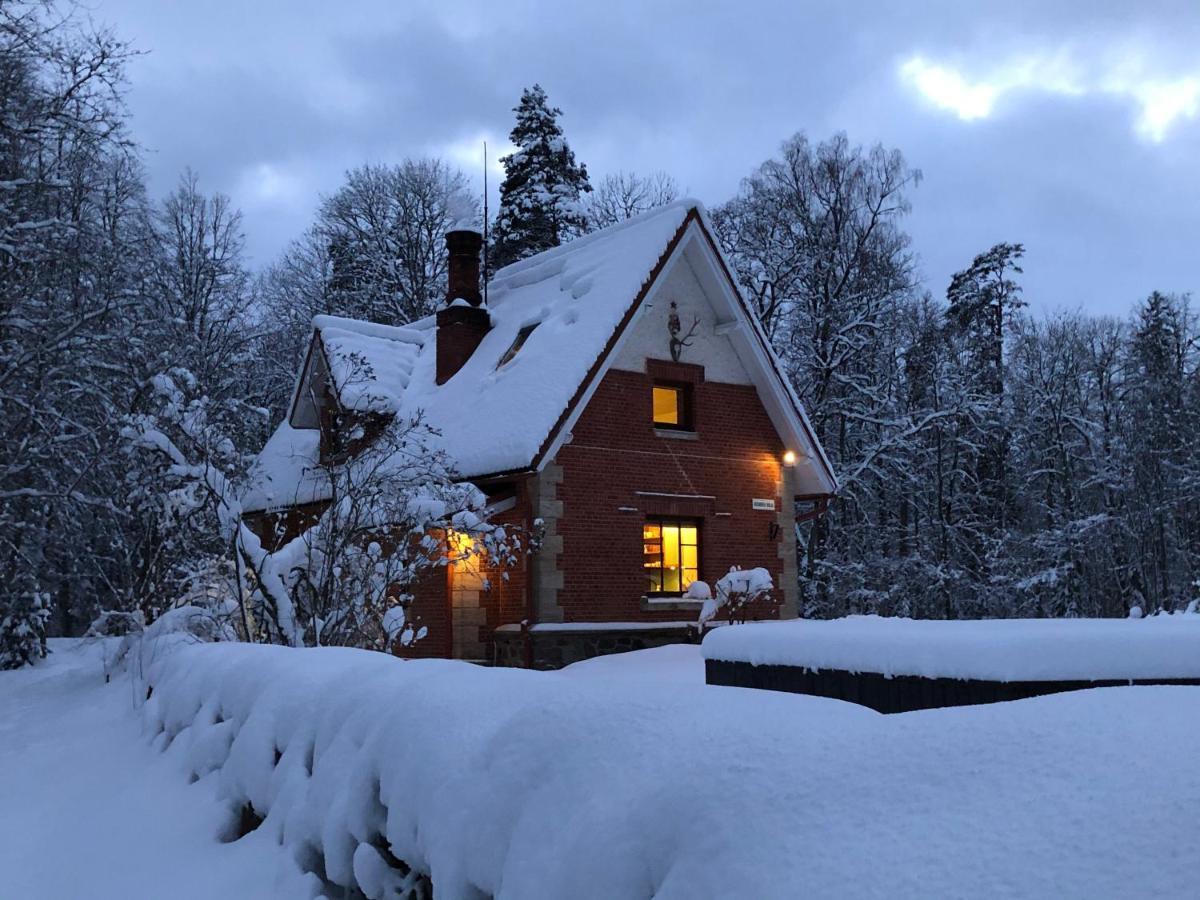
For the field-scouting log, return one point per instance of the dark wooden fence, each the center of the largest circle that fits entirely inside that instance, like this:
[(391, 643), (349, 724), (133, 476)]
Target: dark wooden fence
[(899, 693)]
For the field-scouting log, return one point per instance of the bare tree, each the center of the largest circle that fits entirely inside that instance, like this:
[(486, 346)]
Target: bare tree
[(64, 262), (384, 230), (623, 195)]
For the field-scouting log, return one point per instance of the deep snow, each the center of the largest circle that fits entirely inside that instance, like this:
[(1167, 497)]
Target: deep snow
[(89, 810), (619, 777), (672, 664), (524, 784)]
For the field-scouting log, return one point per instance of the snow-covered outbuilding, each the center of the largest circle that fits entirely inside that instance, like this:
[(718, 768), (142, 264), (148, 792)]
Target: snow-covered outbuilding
[(619, 391)]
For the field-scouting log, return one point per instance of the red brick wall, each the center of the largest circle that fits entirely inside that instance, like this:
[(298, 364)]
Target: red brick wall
[(614, 453), (505, 603), (430, 608)]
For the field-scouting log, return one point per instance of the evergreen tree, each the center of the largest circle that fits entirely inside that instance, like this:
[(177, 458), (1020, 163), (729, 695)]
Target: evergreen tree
[(540, 203), (984, 300), (1162, 450)]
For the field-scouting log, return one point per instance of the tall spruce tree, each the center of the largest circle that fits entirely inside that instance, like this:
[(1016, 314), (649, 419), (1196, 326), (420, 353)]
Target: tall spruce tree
[(983, 301), (540, 198)]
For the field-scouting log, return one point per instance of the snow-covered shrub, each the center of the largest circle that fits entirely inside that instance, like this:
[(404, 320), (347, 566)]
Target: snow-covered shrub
[(737, 590), (23, 629), (181, 625), (116, 623), (389, 502), (196, 622), (698, 590)]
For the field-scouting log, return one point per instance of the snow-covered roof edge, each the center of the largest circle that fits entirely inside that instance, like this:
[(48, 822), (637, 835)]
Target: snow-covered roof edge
[(765, 343), (416, 333), (696, 215), (794, 424)]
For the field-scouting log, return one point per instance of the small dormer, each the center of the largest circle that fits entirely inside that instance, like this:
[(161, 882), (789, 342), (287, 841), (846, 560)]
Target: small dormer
[(353, 377)]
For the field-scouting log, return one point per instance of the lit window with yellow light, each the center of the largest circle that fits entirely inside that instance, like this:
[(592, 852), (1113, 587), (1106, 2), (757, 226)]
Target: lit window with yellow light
[(671, 406), (670, 555)]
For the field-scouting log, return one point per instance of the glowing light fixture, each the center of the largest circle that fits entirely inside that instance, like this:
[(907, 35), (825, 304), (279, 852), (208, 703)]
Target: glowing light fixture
[(460, 545), (789, 458)]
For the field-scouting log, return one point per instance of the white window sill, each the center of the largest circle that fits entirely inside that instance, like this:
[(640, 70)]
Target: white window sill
[(671, 603), (678, 434)]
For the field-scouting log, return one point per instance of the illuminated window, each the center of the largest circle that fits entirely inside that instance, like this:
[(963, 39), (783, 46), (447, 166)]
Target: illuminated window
[(670, 555), (671, 407)]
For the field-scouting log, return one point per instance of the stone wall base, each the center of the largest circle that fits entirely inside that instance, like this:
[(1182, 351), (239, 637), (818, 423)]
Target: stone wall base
[(555, 649)]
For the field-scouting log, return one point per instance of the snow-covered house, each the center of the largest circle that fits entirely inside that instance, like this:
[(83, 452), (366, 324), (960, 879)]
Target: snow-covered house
[(619, 389)]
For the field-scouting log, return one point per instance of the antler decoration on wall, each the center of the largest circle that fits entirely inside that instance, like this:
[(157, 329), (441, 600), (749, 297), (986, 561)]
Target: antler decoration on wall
[(674, 326)]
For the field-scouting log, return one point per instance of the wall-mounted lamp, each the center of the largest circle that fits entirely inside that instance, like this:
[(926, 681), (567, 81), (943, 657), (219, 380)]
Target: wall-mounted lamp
[(789, 458)]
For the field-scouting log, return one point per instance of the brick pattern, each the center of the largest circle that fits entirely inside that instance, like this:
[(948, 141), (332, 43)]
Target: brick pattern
[(590, 566), (615, 453)]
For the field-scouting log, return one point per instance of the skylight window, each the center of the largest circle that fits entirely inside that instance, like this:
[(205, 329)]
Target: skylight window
[(517, 344)]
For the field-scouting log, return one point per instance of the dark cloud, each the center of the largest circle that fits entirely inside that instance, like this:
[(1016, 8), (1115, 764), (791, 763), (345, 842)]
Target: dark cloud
[(272, 101)]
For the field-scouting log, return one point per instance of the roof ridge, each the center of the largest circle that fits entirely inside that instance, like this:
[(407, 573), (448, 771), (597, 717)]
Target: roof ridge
[(592, 237)]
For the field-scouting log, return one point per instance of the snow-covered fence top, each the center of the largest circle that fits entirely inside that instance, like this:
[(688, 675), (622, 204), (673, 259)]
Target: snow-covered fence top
[(1160, 647), (518, 784)]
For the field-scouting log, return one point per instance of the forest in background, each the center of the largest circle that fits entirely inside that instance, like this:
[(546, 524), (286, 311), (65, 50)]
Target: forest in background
[(993, 462)]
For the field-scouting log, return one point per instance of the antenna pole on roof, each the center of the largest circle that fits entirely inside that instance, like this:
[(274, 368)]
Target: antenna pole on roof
[(486, 272)]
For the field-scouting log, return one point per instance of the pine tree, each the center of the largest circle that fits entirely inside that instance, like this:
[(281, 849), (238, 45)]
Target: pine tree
[(540, 198), (1156, 385), (983, 302), (23, 630)]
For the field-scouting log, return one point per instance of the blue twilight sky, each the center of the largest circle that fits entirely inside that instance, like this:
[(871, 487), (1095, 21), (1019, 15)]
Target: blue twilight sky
[(1072, 127)]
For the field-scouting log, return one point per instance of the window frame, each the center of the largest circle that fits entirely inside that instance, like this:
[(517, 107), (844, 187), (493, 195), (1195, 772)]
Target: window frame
[(683, 391), (679, 522), (518, 342)]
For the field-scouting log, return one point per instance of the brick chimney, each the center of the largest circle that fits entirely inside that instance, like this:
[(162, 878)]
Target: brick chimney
[(460, 325)]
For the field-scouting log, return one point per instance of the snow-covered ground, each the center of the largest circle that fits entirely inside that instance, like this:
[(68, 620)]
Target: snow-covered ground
[(672, 664), (89, 810), (619, 777)]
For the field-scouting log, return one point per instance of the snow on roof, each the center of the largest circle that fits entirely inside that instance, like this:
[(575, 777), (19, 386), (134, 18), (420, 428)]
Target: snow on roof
[(370, 364), (495, 418), (285, 473), (988, 649)]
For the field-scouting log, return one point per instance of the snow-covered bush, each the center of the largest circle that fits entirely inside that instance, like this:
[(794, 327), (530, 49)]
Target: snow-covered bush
[(116, 623), (139, 645), (737, 590), (23, 629), (384, 517)]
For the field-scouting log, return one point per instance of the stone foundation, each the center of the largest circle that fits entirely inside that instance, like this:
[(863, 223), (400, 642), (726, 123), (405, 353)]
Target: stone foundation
[(558, 647)]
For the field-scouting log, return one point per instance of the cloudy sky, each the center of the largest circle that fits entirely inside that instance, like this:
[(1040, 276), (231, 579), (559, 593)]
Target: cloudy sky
[(1071, 127)]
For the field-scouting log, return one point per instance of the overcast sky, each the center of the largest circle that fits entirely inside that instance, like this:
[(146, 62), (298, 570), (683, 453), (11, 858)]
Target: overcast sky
[(1071, 127)]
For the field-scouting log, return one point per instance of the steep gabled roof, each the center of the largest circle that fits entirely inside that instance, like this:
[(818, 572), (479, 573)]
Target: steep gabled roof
[(565, 312)]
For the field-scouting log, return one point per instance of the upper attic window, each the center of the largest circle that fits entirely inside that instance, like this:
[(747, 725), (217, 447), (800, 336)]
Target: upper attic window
[(672, 406), (517, 344)]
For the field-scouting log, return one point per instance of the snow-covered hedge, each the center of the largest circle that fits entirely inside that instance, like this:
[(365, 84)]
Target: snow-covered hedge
[(519, 784), (1159, 647)]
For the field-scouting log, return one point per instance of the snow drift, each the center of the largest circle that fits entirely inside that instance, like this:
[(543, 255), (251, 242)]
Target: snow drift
[(519, 784)]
